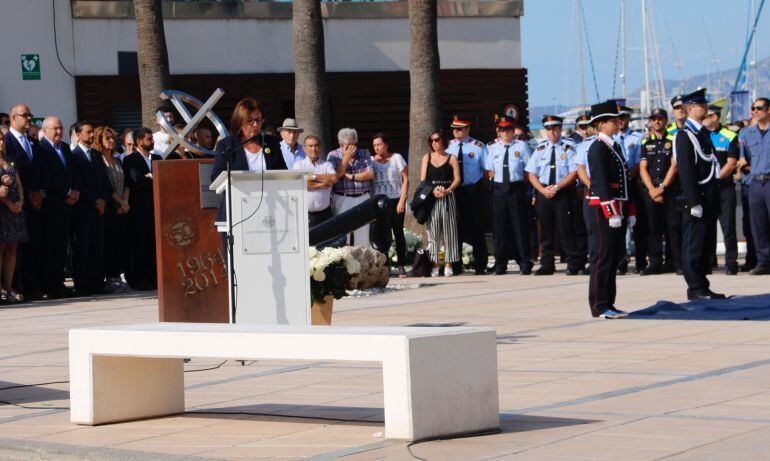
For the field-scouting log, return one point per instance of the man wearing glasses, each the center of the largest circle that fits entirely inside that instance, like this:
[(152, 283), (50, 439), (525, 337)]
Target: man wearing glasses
[(25, 153), (755, 157)]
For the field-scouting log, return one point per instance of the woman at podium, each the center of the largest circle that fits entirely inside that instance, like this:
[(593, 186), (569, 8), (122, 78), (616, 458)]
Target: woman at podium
[(253, 149)]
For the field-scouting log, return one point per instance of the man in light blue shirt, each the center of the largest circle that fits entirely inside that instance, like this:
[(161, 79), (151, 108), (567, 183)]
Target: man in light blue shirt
[(471, 154), (290, 148), (755, 153), (553, 172), (506, 160)]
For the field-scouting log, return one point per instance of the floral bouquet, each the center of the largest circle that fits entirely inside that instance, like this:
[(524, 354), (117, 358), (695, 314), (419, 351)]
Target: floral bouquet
[(330, 270), (413, 245), (466, 256)]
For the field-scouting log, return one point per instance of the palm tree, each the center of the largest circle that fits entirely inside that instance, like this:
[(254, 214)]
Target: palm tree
[(152, 56), (311, 101), (424, 65)]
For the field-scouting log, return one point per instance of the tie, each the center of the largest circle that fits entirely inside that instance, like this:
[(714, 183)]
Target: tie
[(460, 161), (61, 155), (27, 147), (506, 171), (88, 154), (552, 173)]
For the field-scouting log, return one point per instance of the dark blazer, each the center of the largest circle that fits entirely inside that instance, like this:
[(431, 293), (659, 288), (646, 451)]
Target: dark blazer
[(94, 183), (29, 171), (57, 179), (691, 169), (609, 172), (140, 186), (273, 161)]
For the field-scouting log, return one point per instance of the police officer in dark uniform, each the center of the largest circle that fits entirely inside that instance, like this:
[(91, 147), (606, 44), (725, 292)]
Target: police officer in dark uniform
[(506, 160), (605, 216), (679, 115), (553, 173), (631, 142), (698, 170), (658, 174), (471, 154), (581, 134), (727, 150)]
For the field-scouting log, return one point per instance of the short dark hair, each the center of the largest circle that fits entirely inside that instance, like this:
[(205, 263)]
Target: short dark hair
[(764, 100), (78, 127), (440, 135), (164, 108), (140, 133), (384, 138), (312, 136)]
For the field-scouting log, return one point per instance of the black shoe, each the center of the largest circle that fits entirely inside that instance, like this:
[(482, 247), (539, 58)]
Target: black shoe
[(622, 270), (572, 272), (652, 270), (704, 294), (481, 272), (501, 269), (639, 269), (747, 267), (732, 270), (544, 271), (760, 270), (525, 269), (679, 272)]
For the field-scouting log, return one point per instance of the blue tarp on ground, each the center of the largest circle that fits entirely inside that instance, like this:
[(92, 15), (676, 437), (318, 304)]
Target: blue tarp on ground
[(735, 308)]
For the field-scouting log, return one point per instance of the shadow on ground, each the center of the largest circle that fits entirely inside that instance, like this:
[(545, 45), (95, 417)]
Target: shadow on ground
[(755, 307), (17, 394), (367, 415), (511, 422)]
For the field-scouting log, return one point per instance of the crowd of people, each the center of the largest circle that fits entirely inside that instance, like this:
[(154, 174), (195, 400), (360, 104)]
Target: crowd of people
[(85, 208)]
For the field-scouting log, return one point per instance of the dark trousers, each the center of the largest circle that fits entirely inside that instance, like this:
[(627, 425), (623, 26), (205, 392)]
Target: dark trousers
[(470, 224), (315, 218), (56, 235), (759, 203), (553, 214), (728, 202), (142, 265), (88, 239), (640, 229), (115, 227), (579, 227), (389, 227), (31, 254), (751, 251), (697, 251), (510, 221), (606, 248), (663, 220)]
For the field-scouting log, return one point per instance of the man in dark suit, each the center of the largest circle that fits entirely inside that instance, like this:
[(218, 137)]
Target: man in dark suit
[(698, 170), (137, 167), (59, 181), (25, 153), (95, 191)]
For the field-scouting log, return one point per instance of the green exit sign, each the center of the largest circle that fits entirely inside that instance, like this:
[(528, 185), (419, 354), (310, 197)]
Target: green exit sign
[(30, 67)]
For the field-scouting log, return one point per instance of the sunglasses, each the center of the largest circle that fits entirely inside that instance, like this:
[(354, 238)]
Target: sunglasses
[(758, 107), (435, 139)]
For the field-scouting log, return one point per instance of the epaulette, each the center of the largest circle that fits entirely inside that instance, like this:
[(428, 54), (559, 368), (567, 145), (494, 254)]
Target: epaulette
[(541, 144), (669, 137), (728, 133)]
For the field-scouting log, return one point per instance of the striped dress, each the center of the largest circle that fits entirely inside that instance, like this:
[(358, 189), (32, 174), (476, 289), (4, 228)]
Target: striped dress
[(442, 222)]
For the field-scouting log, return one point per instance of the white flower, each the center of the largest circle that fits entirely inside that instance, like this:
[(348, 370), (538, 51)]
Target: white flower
[(319, 276), (466, 260)]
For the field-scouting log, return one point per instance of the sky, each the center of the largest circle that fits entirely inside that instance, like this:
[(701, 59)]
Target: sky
[(550, 53)]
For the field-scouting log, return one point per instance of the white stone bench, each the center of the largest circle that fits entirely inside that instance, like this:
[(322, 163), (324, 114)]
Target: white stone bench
[(436, 381)]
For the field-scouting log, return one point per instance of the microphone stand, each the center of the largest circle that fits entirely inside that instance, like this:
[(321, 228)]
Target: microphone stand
[(230, 240)]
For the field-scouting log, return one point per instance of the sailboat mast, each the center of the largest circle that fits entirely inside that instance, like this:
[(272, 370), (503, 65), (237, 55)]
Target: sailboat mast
[(623, 48), (583, 99), (646, 100)]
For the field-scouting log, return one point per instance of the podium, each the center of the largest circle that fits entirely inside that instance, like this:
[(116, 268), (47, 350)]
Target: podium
[(270, 233), (192, 271)]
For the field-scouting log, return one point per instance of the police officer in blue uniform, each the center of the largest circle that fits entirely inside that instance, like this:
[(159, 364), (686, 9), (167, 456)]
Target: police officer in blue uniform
[(744, 175), (727, 151), (471, 154), (608, 196), (553, 172), (631, 142), (658, 173), (506, 160), (698, 170)]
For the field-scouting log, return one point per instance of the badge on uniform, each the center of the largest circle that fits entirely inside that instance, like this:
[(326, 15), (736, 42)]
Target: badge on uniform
[(722, 139), (631, 146), (471, 155), (668, 145), (564, 156), (517, 154)]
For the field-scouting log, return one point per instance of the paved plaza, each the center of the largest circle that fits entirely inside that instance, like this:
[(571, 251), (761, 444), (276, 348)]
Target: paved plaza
[(571, 387)]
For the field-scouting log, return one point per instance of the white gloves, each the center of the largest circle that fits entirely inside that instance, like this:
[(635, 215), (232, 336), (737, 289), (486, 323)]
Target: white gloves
[(697, 211), (616, 221), (631, 221)]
